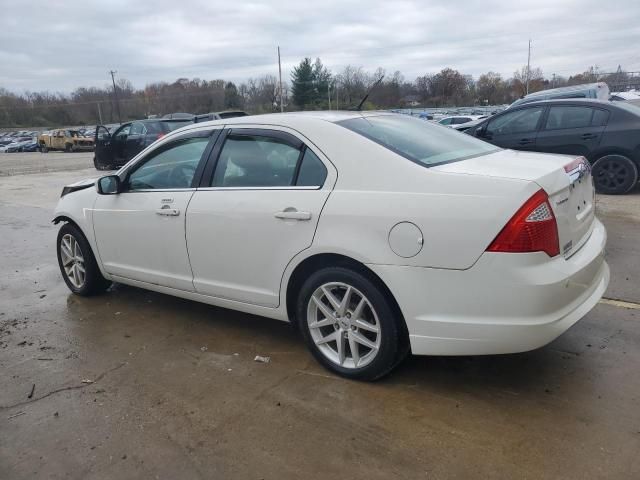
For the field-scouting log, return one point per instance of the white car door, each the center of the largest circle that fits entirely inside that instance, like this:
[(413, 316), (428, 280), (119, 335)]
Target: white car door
[(258, 210), (140, 231)]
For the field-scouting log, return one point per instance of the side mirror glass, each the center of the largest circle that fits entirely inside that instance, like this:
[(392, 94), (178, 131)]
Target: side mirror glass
[(109, 185)]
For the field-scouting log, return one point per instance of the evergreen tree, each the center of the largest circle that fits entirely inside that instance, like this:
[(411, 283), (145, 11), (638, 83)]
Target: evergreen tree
[(302, 84)]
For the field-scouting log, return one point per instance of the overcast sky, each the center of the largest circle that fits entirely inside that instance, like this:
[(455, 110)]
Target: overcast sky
[(60, 45)]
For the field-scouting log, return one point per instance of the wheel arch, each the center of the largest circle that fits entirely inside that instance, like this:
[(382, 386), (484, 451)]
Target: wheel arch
[(317, 261), (611, 150), (64, 218)]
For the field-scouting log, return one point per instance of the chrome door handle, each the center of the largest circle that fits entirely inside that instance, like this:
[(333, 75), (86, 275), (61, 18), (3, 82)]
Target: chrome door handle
[(293, 215), (168, 212)]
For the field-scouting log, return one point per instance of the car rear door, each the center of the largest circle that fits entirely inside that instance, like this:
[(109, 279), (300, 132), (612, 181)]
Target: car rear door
[(256, 209), (572, 129), (515, 129), (140, 232)]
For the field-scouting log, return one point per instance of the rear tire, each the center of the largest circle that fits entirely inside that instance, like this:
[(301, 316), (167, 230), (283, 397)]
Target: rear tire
[(366, 323), (614, 174), (77, 263)]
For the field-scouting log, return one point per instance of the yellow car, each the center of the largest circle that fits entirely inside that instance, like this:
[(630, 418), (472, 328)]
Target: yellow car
[(66, 140)]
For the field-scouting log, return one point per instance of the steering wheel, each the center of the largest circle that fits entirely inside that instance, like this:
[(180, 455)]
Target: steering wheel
[(181, 175)]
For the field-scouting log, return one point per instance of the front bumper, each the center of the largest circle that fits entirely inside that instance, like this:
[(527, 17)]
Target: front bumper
[(505, 303)]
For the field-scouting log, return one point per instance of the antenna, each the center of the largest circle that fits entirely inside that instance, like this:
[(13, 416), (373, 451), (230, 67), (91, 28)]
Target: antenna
[(280, 84), (364, 99)]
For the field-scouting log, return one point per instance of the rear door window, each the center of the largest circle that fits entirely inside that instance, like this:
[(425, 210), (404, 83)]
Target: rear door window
[(566, 116), (600, 118), (312, 171), (255, 159)]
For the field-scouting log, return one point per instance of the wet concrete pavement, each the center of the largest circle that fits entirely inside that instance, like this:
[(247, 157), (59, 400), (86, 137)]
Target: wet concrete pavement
[(134, 384)]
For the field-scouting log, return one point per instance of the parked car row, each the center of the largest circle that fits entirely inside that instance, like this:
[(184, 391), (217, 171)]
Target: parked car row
[(19, 144)]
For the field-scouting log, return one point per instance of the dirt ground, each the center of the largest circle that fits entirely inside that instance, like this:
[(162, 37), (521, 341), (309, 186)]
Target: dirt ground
[(134, 384)]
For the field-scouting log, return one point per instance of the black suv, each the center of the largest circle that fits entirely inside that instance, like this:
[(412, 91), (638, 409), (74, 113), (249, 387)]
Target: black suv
[(606, 133), (129, 139)]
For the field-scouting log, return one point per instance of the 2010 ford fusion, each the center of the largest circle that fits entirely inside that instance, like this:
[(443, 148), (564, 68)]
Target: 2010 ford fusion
[(375, 234)]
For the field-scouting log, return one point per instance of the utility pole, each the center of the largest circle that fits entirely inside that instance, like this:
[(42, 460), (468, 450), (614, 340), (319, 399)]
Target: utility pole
[(280, 74), (528, 66), (115, 93), (553, 82), (99, 113), (329, 93)]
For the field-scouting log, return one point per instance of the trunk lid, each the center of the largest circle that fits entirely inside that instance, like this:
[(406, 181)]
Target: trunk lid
[(566, 179)]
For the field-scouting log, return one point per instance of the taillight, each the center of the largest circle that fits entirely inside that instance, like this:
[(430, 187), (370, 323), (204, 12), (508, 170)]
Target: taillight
[(570, 167), (533, 228)]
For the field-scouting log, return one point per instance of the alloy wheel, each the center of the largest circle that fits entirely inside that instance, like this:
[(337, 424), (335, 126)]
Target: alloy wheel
[(344, 325), (72, 260), (611, 174)]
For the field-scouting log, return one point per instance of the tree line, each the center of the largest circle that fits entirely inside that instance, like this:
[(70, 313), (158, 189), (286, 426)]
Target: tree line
[(312, 86)]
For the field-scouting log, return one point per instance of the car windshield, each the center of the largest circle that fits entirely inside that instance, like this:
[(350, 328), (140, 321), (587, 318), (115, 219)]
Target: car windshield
[(417, 140)]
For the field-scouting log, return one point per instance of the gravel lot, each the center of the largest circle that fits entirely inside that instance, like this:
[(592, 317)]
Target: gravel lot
[(36, 162), (134, 384)]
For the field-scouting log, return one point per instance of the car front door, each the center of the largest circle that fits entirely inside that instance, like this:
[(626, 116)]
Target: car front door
[(140, 232), (255, 212), (572, 129), (515, 129), (103, 154)]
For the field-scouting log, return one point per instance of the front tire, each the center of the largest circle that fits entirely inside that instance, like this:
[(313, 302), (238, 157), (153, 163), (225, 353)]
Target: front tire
[(349, 324), (77, 262), (614, 174)]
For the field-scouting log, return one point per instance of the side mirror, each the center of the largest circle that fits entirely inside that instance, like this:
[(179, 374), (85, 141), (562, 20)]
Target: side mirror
[(109, 185)]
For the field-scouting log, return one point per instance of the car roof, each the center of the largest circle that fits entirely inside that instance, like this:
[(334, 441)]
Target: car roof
[(565, 101), (287, 118), (567, 89)]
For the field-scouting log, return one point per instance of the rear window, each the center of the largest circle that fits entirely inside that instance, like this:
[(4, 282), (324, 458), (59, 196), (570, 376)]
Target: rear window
[(174, 124), (629, 107), (232, 114), (419, 141)]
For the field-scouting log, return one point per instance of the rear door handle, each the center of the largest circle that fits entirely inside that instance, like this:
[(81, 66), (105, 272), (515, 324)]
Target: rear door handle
[(589, 136), (525, 141), (168, 212), (293, 214)]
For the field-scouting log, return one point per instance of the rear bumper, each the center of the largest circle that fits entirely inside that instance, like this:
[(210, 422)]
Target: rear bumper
[(505, 303)]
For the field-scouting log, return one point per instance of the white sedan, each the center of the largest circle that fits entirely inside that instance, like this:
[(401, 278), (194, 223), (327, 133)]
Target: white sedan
[(374, 234)]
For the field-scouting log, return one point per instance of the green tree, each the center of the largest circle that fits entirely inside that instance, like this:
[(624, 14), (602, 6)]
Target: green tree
[(303, 85)]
